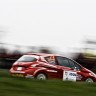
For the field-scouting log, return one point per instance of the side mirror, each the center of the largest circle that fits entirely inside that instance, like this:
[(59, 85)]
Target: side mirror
[(76, 69)]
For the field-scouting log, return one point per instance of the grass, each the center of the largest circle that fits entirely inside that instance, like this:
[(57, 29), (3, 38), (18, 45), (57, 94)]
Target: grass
[(12, 86)]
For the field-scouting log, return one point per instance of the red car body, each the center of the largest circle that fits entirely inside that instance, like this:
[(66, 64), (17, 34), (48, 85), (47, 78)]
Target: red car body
[(50, 66)]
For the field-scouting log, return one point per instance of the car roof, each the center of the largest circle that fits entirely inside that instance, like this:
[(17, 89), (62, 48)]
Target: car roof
[(43, 54), (46, 54)]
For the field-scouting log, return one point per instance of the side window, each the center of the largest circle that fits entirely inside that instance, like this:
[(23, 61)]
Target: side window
[(78, 66), (74, 65), (50, 59), (47, 58), (62, 61)]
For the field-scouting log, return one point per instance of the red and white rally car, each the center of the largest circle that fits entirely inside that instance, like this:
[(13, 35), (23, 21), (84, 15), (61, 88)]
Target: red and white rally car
[(47, 66)]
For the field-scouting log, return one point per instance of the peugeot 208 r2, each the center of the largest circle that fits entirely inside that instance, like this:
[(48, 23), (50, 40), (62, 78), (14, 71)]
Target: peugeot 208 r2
[(48, 66)]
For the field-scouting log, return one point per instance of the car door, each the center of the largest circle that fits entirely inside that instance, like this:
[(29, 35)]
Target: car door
[(62, 64), (76, 67), (68, 64)]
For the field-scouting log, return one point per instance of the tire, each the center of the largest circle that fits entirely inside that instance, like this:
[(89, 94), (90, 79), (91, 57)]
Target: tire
[(41, 76), (89, 80)]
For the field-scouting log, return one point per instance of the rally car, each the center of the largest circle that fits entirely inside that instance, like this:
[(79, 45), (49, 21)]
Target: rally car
[(50, 66)]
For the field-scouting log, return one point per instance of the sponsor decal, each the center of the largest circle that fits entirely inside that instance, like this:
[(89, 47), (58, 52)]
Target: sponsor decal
[(17, 71), (78, 77), (18, 75), (51, 70), (69, 75)]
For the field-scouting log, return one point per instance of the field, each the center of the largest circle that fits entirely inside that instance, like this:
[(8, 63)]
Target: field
[(11, 86)]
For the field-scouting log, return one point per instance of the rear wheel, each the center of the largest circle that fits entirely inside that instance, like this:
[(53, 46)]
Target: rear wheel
[(41, 76), (89, 80)]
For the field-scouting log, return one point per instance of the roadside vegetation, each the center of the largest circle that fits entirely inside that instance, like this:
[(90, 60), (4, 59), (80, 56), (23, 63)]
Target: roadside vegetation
[(12, 86)]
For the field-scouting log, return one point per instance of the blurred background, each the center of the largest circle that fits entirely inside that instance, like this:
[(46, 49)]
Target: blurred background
[(66, 27)]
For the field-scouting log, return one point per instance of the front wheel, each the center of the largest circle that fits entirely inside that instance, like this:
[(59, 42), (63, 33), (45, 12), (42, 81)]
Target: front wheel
[(89, 80), (41, 76)]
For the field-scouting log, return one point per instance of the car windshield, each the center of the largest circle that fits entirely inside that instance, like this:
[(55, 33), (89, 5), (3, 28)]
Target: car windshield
[(27, 58)]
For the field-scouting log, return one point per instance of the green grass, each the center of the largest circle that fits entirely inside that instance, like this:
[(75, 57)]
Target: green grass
[(11, 86)]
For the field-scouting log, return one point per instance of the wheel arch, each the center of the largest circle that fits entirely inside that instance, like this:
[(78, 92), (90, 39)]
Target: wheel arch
[(89, 77), (40, 71)]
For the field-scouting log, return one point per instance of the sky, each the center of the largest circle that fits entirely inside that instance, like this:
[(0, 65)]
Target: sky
[(61, 23)]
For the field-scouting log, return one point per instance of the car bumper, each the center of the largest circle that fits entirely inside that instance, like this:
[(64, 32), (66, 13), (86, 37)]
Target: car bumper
[(21, 74)]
